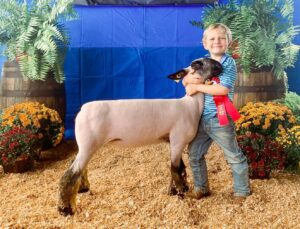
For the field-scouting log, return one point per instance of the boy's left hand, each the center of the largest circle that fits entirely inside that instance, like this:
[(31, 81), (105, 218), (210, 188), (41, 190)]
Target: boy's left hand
[(191, 89), (192, 79)]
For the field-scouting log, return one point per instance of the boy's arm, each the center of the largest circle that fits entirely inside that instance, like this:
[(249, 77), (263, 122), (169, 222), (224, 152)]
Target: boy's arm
[(215, 89), (193, 84), (191, 79)]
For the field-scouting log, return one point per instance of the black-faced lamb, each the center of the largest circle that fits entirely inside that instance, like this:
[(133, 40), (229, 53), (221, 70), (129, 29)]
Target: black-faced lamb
[(132, 123)]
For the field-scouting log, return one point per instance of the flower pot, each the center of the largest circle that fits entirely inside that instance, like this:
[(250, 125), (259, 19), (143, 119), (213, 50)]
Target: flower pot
[(20, 166), (15, 90), (258, 86)]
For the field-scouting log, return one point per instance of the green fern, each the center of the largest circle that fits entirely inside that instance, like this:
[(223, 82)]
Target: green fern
[(264, 30), (34, 34), (292, 100), (218, 13)]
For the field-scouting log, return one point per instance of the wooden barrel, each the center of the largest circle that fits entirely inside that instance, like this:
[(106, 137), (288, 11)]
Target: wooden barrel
[(15, 89), (258, 86)]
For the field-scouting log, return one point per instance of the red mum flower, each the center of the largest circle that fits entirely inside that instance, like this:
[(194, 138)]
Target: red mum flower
[(249, 149), (261, 163), (13, 145), (261, 173), (253, 165), (252, 156), (281, 165)]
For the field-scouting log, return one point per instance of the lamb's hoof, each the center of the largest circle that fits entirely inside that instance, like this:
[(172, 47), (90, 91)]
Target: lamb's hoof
[(65, 211), (180, 195), (83, 190), (172, 191), (185, 188), (180, 192)]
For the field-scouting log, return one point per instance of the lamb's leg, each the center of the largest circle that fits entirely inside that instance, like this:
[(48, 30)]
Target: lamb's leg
[(172, 188), (184, 176), (70, 182), (178, 172), (84, 182), (68, 187)]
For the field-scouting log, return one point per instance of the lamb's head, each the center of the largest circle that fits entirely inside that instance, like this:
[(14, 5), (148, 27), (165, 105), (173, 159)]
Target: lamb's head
[(205, 67)]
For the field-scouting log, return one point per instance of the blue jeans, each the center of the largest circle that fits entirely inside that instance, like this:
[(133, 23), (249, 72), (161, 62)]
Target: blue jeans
[(209, 130)]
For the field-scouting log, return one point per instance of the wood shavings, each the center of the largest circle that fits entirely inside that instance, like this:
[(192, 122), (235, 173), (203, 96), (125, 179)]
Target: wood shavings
[(129, 190)]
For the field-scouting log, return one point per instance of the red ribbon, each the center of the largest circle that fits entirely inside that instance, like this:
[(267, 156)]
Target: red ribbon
[(224, 106)]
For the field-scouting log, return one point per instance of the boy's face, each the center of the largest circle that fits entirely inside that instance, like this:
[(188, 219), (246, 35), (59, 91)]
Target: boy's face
[(216, 42)]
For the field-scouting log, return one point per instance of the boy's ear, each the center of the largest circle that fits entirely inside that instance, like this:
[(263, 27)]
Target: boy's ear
[(204, 44)]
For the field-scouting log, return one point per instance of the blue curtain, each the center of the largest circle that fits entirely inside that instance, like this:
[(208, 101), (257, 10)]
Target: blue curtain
[(121, 52)]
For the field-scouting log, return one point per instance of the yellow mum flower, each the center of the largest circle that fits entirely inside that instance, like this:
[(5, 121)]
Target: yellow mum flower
[(265, 118), (245, 125), (29, 114), (256, 122), (292, 119)]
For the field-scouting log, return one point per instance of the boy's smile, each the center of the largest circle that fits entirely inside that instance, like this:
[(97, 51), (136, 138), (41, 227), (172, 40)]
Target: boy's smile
[(216, 42)]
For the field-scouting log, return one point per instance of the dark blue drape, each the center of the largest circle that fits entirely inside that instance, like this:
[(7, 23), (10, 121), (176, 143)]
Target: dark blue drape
[(127, 52)]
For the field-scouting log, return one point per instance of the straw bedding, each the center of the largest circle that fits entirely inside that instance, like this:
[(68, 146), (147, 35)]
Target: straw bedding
[(129, 190)]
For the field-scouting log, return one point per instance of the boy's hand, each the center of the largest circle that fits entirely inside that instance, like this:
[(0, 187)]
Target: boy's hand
[(191, 79), (209, 82), (191, 89)]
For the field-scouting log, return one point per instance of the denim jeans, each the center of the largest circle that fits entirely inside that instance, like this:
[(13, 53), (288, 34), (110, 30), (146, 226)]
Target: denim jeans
[(209, 130)]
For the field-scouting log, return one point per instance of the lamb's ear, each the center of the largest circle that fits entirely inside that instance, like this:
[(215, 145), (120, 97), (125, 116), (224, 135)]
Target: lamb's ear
[(178, 75), (217, 69), (197, 64)]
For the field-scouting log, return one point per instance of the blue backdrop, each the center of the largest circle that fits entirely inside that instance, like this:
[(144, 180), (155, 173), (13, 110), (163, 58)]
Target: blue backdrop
[(127, 52)]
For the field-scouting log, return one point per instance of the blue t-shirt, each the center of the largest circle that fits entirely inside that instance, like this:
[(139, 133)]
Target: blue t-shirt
[(227, 79)]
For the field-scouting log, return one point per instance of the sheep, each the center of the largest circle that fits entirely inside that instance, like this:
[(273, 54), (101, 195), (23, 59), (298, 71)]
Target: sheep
[(134, 123)]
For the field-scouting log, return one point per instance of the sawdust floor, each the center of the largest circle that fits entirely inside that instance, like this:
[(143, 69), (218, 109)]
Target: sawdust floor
[(129, 190)]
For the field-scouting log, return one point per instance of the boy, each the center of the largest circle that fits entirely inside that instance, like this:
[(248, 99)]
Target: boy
[(216, 39)]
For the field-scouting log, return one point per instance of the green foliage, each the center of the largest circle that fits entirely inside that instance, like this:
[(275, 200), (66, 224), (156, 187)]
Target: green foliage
[(34, 34), (263, 29), (292, 100), (218, 13)]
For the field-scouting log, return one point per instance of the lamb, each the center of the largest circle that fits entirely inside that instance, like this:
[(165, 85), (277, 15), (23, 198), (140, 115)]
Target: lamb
[(134, 123)]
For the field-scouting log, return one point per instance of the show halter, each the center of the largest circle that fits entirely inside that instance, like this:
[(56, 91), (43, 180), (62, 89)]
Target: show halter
[(224, 106)]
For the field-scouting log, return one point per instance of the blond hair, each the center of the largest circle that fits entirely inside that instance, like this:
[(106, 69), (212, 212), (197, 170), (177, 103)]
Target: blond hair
[(216, 26)]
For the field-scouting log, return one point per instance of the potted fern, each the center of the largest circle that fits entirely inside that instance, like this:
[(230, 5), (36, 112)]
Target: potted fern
[(263, 34), (33, 33), (35, 41)]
